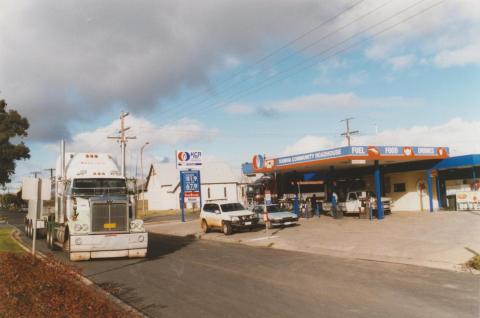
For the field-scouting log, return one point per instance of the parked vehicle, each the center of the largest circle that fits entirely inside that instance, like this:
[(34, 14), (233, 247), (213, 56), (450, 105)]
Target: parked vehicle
[(93, 216), (276, 215), (354, 200), (227, 216)]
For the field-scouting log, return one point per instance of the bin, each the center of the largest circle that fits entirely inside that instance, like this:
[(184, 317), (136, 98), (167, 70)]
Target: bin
[(451, 202)]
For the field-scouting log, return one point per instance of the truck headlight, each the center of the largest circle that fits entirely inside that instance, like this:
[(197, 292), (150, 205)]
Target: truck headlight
[(136, 225), (234, 219)]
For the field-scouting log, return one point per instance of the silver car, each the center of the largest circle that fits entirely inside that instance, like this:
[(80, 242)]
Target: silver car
[(276, 215)]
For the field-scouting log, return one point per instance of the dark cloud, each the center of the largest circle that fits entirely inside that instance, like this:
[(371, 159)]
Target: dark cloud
[(72, 60)]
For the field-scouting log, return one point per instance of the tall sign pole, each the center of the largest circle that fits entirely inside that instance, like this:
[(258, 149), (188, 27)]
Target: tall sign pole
[(122, 139)]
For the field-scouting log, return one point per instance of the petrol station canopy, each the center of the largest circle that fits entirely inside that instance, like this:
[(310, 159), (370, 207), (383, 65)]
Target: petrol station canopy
[(344, 157)]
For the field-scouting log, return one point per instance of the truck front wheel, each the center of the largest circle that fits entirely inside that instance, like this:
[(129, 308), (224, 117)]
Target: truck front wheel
[(227, 228)]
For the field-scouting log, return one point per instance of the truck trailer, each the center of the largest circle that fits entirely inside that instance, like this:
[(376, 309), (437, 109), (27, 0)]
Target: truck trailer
[(93, 216)]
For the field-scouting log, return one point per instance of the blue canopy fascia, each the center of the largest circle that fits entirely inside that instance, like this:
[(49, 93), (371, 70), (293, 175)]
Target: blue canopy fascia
[(458, 162)]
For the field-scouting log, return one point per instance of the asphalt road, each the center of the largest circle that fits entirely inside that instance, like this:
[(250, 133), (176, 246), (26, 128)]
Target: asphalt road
[(184, 277)]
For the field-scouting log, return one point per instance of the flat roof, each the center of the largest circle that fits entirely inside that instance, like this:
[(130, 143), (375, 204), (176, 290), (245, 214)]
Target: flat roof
[(345, 157)]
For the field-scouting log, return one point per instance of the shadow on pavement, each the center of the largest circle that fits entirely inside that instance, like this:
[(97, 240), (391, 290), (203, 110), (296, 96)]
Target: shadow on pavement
[(161, 244)]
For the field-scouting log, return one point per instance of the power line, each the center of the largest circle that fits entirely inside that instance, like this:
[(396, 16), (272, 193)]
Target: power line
[(305, 65), (267, 56)]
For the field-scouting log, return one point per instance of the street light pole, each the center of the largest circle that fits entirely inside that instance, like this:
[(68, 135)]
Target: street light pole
[(143, 182)]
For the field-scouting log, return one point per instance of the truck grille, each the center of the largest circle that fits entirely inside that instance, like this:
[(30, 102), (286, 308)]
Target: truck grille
[(109, 217)]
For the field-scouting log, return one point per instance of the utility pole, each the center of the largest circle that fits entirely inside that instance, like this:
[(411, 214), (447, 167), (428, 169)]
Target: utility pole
[(143, 181), (51, 172), (348, 134), (122, 139), (35, 173)]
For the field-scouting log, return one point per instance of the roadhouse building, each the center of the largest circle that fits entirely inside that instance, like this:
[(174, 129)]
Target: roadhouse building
[(415, 178)]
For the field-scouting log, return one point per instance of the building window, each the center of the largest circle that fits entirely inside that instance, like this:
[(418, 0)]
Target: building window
[(399, 187), (225, 192), (208, 193)]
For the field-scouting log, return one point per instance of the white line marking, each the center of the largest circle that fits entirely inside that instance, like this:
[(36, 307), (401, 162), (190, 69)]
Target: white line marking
[(262, 238)]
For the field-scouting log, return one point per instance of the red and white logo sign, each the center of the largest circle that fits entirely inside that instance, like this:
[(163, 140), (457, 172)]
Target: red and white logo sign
[(373, 151), (408, 151), (269, 163), (258, 162)]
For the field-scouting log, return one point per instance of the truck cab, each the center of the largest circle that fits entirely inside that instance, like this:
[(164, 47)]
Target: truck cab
[(93, 214)]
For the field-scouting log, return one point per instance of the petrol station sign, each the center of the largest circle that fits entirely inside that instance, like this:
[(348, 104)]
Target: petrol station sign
[(188, 158), (190, 185)]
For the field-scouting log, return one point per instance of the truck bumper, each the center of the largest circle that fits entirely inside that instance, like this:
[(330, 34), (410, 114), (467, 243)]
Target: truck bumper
[(84, 247)]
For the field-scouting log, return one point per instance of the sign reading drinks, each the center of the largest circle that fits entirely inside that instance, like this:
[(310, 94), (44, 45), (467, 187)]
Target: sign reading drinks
[(188, 158)]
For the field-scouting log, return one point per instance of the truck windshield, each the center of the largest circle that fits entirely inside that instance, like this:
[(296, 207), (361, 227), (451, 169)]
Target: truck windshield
[(230, 207), (93, 187)]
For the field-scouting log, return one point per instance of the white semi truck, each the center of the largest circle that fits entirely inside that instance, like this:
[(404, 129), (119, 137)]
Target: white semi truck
[(93, 215)]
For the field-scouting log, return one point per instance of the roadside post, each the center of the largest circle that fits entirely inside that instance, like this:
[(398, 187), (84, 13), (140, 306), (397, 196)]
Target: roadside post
[(267, 201), (317, 210), (182, 197), (38, 209), (265, 219), (296, 208)]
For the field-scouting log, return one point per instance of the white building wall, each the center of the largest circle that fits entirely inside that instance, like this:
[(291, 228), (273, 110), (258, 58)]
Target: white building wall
[(410, 200), (218, 191)]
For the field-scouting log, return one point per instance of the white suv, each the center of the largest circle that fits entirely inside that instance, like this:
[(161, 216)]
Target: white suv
[(226, 216)]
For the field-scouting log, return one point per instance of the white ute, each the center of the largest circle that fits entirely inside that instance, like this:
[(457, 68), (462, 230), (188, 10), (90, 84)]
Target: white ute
[(354, 202), (226, 216)]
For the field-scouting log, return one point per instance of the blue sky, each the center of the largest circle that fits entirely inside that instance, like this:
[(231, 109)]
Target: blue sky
[(191, 79)]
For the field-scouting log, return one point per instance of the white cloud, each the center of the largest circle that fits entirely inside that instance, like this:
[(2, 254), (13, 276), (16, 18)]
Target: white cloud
[(184, 131), (458, 134), (401, 62), (451, 26), (469, 54), (308, 143)]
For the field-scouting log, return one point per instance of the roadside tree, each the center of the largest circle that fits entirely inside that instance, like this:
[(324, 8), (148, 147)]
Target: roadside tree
[(12, 125)]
